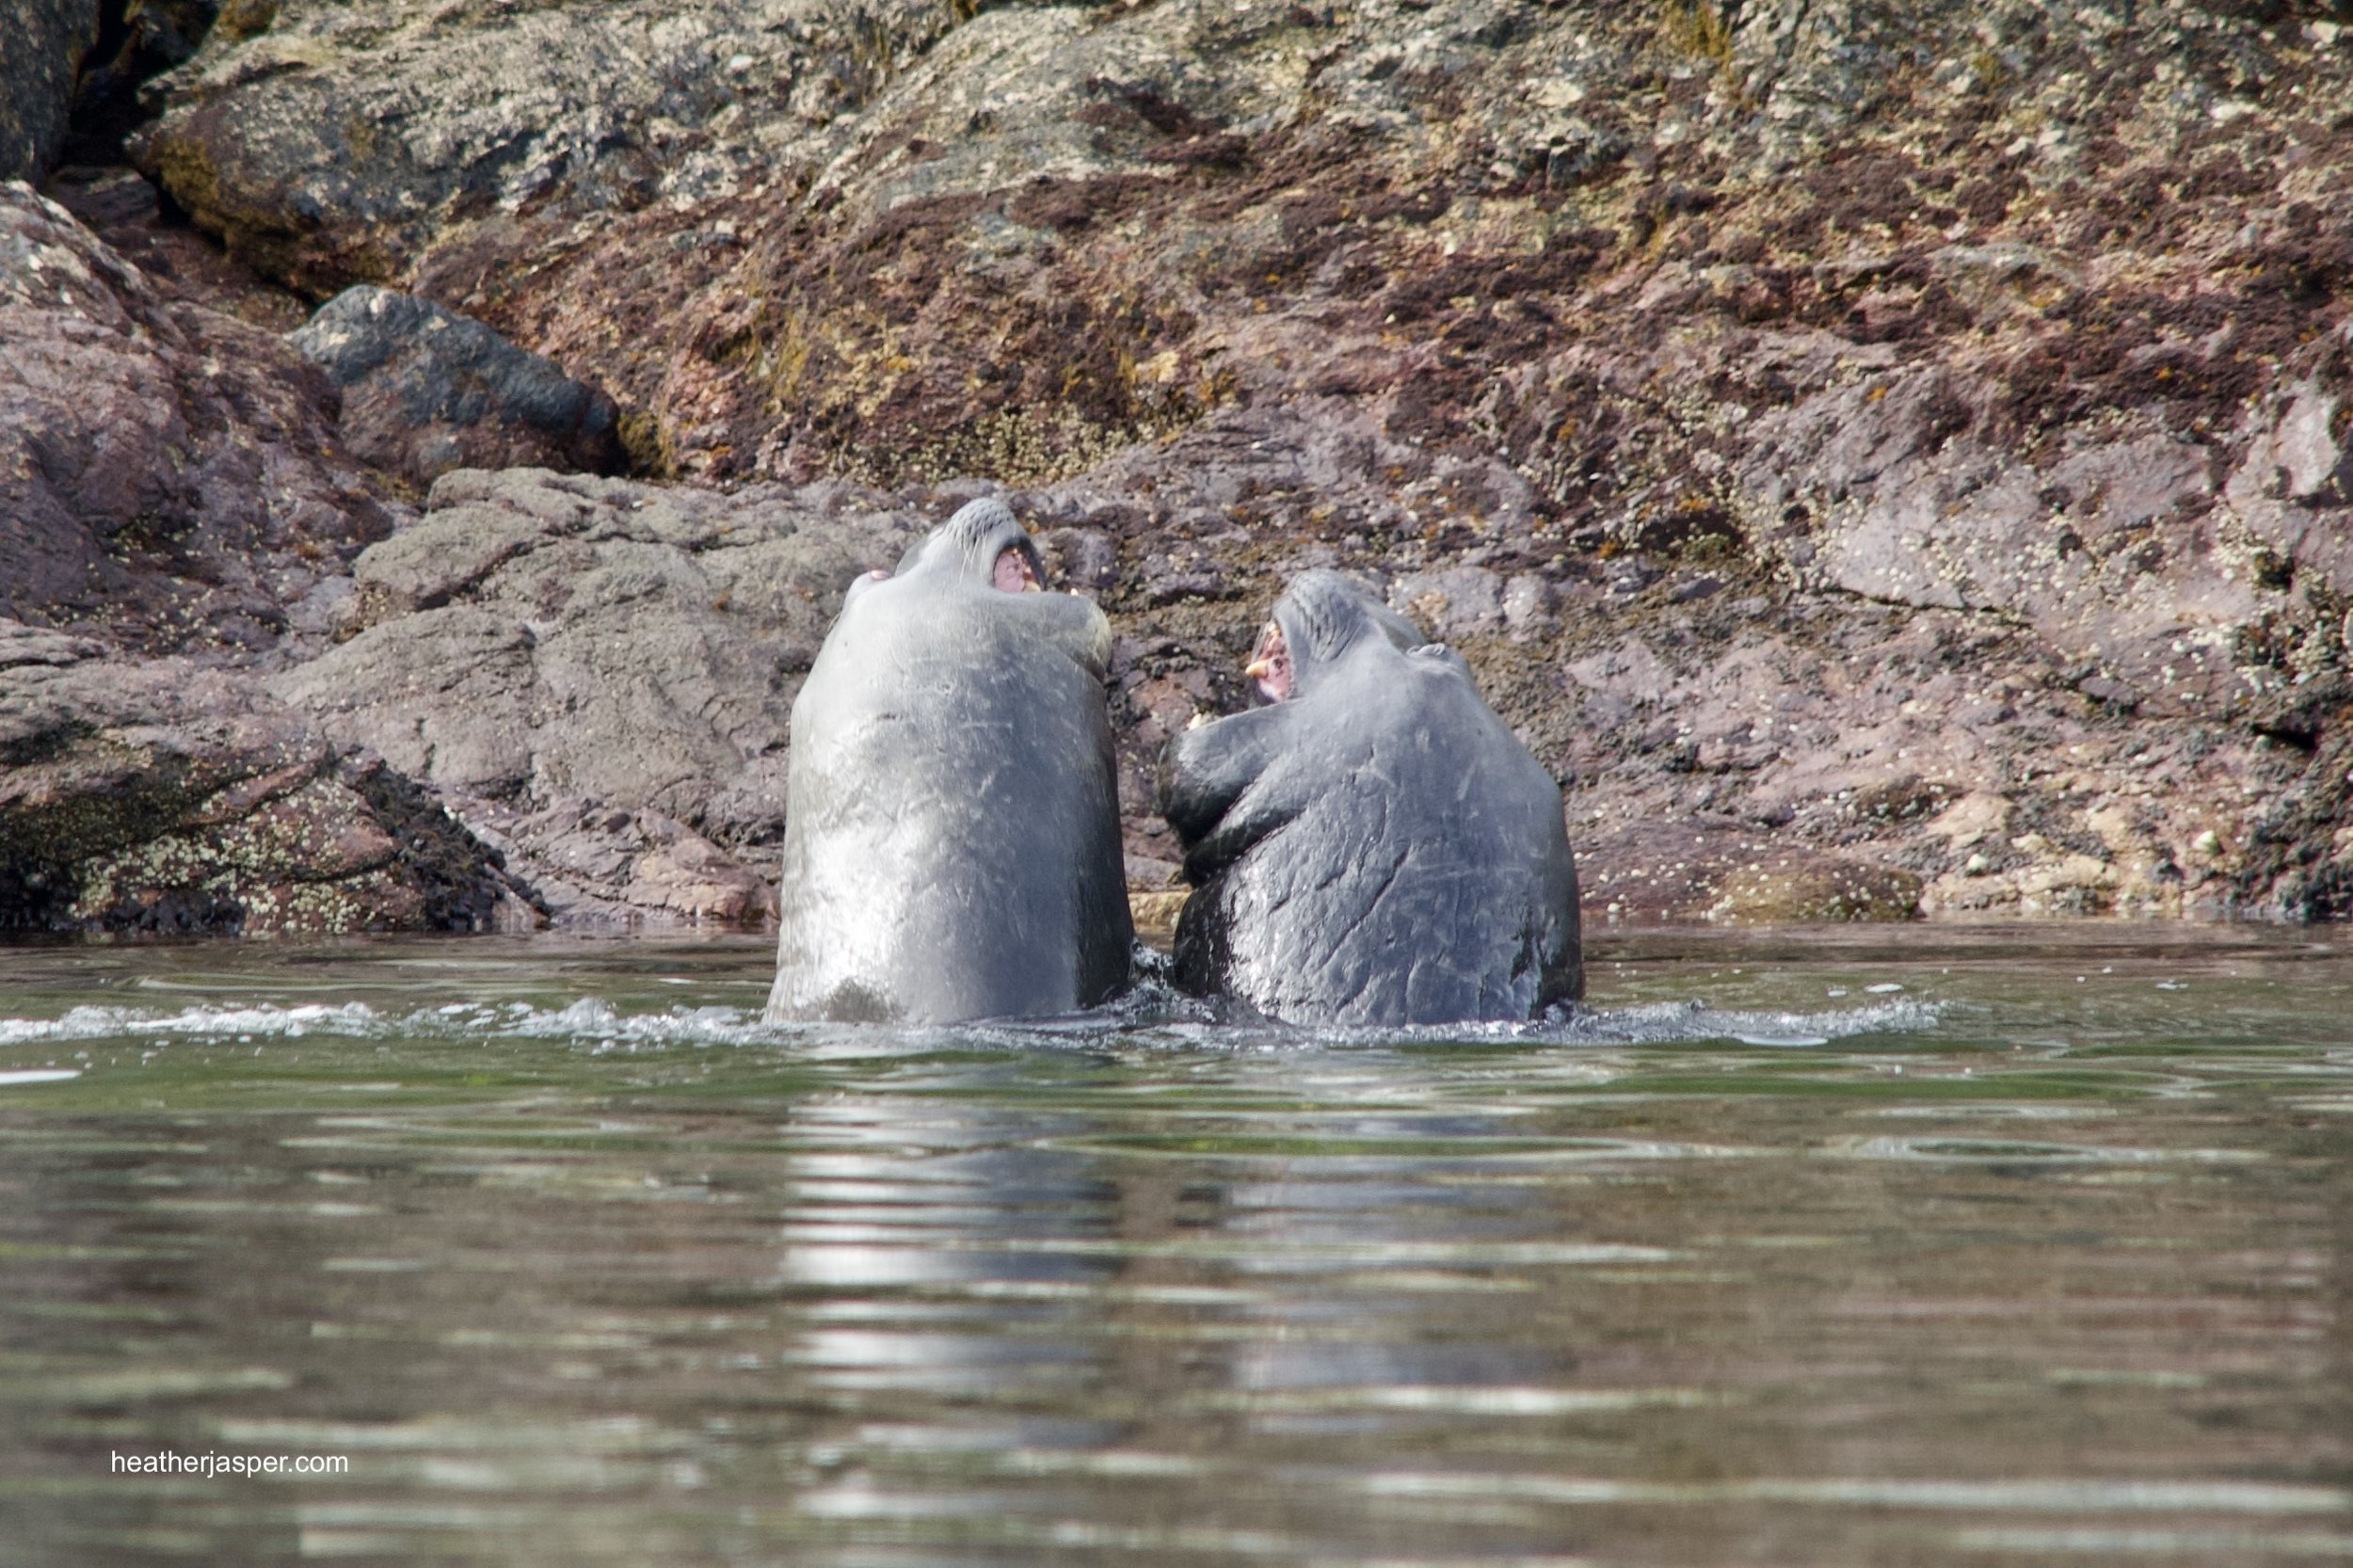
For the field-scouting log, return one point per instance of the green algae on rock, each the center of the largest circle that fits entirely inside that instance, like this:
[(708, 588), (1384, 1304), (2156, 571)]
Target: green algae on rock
[(164, 797)]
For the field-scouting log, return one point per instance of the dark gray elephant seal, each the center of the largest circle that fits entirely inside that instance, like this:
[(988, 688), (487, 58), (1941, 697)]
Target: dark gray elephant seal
[(1373, 846), (951, 842)]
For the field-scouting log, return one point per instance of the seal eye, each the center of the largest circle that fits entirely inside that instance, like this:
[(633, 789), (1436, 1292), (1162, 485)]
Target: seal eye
[(1270, 663), (1012, 572)]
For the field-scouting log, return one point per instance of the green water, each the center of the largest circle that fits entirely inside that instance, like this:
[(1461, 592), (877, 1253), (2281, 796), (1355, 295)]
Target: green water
[(2042, 1257)]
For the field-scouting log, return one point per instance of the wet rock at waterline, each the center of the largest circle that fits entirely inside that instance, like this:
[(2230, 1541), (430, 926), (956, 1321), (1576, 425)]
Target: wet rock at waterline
[(426, 390), (161, 796), (952, 848), (1373, 846), (1731, 873)]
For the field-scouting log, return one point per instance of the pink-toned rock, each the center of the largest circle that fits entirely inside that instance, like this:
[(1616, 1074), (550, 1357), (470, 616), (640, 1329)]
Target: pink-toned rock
[(168, 473)]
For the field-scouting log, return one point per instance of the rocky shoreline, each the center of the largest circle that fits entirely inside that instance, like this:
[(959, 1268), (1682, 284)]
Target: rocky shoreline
[(1884, 462)]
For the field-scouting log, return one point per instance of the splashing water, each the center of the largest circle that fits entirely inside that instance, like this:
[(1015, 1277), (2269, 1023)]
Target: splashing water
[(1148, 1018)]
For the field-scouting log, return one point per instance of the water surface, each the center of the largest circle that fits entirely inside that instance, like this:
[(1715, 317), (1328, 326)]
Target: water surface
[(1934, 1246)]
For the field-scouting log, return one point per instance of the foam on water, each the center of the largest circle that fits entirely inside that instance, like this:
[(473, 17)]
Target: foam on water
[(92, 1023), (1150, 1016)]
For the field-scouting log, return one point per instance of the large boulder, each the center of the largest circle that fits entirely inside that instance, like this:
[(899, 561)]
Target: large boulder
[(426, 390), (163, 796), (600, 675), (41, 52), (167, 473)]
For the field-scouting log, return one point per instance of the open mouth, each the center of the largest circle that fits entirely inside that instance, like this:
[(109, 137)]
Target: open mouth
[(1270, 663), (1013, 573)]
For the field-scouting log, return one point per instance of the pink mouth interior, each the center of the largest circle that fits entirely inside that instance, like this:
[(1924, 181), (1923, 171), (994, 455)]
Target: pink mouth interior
[(1013, 573), (1271, 662)]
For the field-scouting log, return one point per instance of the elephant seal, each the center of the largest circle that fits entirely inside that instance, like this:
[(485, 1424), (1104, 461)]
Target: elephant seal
[(952, 845), (1372, 846)]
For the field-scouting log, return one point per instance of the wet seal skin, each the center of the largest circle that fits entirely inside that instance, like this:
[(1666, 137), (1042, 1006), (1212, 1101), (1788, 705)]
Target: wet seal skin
[(952, 839), (1373, 846)]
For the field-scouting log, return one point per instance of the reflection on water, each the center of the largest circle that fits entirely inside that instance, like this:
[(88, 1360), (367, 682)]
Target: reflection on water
[(2039, 1257)]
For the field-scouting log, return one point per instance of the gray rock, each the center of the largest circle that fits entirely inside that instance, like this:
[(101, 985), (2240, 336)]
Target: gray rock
[(600, 674), (1453, 604), (426, 390), (1083, 558), (1172, 579), (2107, 550), (1998, 278), (1150, 873), (449, 552), (595, 866), (2305, 447), (41, 50), (1629, 575), (1946, 338), (1528, 602)]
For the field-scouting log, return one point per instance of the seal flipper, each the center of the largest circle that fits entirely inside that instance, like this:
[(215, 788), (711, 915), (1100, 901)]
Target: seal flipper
[(1205, 774)]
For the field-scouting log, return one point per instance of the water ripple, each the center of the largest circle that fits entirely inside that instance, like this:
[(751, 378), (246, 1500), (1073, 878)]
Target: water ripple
[(1161, 1021)]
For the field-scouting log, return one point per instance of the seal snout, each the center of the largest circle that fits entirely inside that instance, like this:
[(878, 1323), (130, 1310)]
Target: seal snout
[(1270, 663)]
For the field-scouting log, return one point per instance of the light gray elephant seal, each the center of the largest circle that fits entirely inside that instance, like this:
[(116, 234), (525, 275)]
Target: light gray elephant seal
[(1373, 846), (952, 833)]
